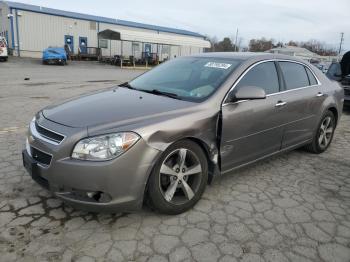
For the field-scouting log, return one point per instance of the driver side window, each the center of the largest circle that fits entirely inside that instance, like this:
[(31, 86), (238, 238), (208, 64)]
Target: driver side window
[(263, 75)]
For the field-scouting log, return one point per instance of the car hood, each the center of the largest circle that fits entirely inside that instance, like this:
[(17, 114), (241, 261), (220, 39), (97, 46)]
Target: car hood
[(118, 105)]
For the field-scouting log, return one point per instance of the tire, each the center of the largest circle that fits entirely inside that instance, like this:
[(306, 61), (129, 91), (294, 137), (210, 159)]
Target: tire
[(168, 192), (319, 145)]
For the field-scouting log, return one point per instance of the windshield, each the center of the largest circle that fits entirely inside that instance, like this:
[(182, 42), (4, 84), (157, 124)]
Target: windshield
[(188, 78)]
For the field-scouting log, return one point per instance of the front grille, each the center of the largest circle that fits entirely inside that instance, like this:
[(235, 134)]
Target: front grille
[(49, 134), (40, 156)]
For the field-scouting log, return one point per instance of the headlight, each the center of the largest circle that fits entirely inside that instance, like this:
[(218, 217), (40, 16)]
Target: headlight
[(104, 147)]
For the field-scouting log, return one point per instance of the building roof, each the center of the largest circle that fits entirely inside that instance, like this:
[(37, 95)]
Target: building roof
[(294, 49), (101, 19)]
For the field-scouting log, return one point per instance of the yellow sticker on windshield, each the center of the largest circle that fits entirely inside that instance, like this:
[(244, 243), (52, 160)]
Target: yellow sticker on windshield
[(217, 65)]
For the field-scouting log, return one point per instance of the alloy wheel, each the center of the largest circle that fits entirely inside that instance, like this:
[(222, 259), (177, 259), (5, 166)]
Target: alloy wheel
[(180, 176), (325, 132)]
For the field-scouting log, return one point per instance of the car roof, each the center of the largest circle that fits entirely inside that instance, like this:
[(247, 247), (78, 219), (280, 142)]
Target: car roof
[(258, 56)]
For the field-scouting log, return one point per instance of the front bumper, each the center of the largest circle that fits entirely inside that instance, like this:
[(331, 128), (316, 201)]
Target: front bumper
[(120, 183)]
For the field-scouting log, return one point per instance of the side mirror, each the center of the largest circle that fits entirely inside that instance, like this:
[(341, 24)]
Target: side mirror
[(248, 93)]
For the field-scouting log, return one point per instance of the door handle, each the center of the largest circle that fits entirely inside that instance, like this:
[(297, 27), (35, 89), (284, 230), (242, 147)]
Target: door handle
[(319, 94), (280, 103)]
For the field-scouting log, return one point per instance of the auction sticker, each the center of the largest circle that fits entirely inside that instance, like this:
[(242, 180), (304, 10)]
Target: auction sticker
[(218, 65)]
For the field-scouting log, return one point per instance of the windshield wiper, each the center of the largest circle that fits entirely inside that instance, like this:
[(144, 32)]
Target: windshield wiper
[(154, 91), (127, 85), (162, 93)]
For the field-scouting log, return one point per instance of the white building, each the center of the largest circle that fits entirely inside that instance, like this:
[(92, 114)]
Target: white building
[(30, 29), (301, 53)]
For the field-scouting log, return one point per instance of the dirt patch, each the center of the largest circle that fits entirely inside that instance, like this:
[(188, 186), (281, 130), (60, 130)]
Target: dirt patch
[(39, 97), (102, 81), (40, 84)]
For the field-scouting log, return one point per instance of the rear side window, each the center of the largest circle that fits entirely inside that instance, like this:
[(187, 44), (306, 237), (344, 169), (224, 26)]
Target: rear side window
[(311, 76), (294, 75), (263, 75)]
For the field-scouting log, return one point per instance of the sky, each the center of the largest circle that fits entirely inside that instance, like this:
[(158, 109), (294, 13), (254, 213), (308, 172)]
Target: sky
[(282, 20)]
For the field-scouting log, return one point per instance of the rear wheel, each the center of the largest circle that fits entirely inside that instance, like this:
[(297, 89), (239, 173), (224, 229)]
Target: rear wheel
[(179, 178), (324, 134)]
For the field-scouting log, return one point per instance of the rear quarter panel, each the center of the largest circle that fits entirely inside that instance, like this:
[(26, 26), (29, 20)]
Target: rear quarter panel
[(334, 94)]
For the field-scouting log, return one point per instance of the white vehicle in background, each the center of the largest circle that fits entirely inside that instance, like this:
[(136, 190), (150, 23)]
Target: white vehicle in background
[(3, 49)]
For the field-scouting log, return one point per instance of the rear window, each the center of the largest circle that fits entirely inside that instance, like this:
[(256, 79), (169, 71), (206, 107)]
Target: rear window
[(311, 76), (294, 75)]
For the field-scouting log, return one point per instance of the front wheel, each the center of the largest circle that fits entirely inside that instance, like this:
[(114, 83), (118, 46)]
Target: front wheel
[(179, 178), (324, 134)]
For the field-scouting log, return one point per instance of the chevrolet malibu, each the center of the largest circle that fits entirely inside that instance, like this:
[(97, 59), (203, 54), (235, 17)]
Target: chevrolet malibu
[(162, 137)]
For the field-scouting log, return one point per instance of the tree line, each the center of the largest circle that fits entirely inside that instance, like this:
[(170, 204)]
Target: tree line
[(263, 44)]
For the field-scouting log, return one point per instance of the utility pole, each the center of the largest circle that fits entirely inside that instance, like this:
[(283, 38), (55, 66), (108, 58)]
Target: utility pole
[(236, 41), (341, 42)]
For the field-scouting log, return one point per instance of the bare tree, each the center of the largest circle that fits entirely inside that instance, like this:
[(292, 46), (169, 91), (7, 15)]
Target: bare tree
[(225, 45), (260, 45), (292, 43)]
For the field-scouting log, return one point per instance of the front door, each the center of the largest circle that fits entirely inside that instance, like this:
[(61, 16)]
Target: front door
[(252, 129), (68, 40), (83, 45)]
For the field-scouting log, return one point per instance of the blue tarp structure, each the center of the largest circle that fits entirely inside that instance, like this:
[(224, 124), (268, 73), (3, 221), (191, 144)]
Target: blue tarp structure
[(54, 54)]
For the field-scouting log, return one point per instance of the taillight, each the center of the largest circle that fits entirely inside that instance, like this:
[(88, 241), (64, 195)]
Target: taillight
[(2, 44)]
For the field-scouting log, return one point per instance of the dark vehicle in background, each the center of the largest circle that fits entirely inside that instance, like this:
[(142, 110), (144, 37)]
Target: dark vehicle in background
[(322, 67), (55, 55), (163, 136), (340, 72)]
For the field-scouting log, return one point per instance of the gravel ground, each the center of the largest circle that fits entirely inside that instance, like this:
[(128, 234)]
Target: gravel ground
[(294, 207)]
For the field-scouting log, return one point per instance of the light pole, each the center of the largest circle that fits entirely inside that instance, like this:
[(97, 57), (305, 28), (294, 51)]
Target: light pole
[(236, 41), (341, 42)]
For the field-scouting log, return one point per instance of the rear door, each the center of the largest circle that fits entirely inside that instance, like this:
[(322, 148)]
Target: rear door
[(303, 97), (252, 129)]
